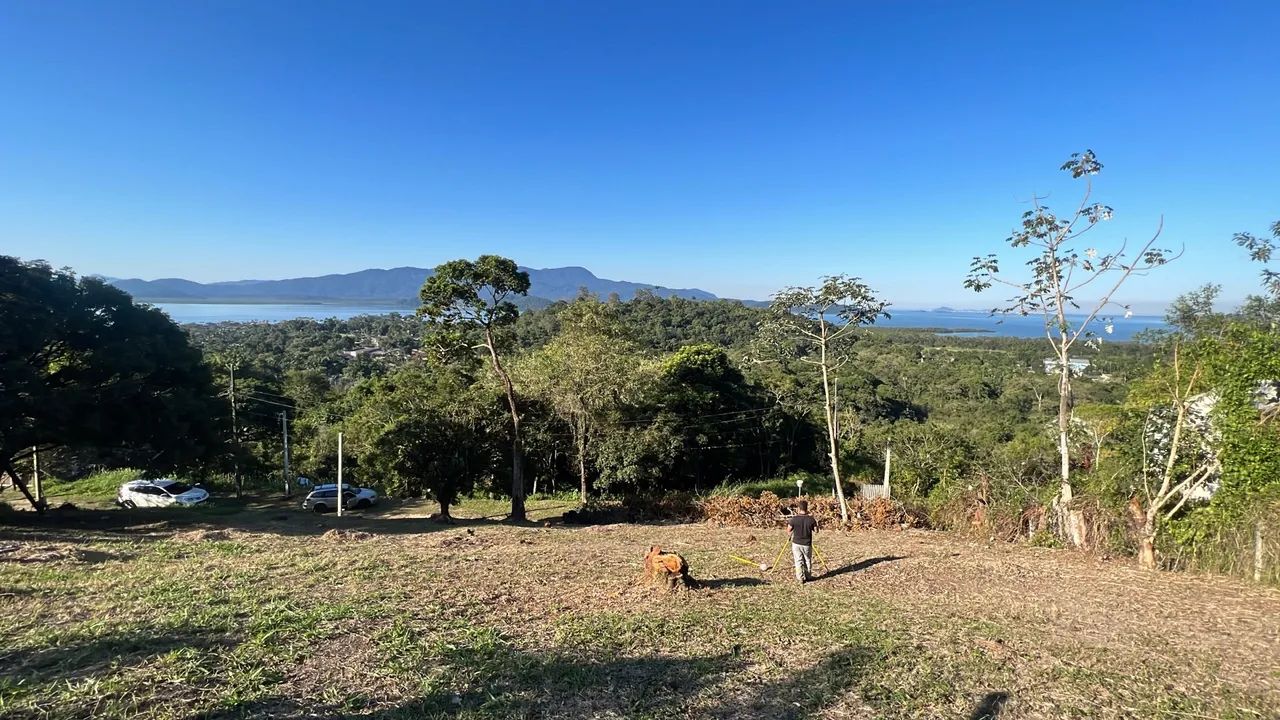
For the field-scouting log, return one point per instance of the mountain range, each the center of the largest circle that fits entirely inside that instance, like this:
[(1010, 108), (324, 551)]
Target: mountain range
[(394, 286)]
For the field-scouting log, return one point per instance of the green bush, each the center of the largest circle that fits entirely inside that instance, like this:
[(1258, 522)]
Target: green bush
[(814, 484)]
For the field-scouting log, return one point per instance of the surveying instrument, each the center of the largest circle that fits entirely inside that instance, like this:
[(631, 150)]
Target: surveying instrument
[(782, 550), (765, 567)]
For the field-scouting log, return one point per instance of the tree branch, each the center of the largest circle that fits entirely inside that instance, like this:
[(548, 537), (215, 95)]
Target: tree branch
[(1128, 270)]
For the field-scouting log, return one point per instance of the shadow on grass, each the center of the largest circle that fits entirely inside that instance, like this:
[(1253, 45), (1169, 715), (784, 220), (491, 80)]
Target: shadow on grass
[(487, 684), (78, 658), (731, 582), (990, 707), (860, 566), (276, 518)]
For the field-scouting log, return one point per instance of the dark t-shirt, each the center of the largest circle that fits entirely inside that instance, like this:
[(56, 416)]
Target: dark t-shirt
[(802, 527)]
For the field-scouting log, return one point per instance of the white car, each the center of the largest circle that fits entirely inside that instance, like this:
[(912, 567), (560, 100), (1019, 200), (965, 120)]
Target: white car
[(159, 493), (325, 498)]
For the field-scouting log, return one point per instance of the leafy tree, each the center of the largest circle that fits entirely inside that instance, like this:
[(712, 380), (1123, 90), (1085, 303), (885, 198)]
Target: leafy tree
[(1059, 273), (927, 455), (817, 326), (424, 431), (466, 295), (1260, 250), (255, 391), (1263, 310), (638, 457), (584, 374), (1192, 313), (82, 367), (730, 427)]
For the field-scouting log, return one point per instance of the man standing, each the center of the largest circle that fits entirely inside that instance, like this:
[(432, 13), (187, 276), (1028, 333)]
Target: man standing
[(801, 527)]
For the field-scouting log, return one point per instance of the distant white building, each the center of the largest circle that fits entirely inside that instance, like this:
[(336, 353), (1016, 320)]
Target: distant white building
[(1078, 365)]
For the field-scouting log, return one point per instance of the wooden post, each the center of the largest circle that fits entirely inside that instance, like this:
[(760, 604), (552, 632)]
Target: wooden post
[(339, 474), (888, 460), (1257, 552), (35, 474)]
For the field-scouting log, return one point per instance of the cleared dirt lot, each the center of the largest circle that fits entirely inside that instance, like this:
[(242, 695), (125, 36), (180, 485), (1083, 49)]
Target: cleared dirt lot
[(266, 613)]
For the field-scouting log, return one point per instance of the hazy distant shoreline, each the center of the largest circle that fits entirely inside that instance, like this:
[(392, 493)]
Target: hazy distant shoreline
[(279, 301), (956, 323)]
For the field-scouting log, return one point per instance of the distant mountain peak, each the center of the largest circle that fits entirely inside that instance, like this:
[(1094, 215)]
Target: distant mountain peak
[(393, 285)]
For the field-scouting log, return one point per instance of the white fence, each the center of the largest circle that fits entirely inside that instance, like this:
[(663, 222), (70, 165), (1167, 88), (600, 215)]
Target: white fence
[(870, 492)]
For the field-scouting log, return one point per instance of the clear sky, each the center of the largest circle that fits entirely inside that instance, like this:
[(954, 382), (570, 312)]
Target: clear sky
[(737, 147)]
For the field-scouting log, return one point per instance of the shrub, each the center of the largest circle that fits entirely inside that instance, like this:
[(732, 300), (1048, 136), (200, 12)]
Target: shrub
[(785, 486)]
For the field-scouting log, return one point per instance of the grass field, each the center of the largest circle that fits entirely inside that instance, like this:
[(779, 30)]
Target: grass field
[(264, 612)]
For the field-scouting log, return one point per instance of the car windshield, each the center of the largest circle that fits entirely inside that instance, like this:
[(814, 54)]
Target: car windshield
[(176, 488)]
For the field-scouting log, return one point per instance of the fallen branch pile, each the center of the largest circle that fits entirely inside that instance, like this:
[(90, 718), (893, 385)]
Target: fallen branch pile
[(766, 511)]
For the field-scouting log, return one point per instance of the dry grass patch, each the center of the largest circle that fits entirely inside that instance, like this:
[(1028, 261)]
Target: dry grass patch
[(387, 615)]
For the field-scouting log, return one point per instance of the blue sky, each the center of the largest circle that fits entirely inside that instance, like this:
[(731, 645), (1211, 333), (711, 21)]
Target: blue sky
[(736, 147)]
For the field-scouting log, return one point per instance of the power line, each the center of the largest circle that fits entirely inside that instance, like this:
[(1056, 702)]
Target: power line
[(697, 417), (692, 422), (269, 402), (270, 394)]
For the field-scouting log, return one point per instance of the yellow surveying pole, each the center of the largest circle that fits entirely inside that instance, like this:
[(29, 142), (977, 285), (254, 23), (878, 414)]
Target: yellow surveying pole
[(780, 551), (825, 567)]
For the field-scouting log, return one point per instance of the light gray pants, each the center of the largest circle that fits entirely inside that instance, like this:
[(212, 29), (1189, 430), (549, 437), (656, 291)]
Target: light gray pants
[(803, 557)]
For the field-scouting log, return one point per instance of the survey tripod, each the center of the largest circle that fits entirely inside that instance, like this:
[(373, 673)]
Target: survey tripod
[(826, 569)]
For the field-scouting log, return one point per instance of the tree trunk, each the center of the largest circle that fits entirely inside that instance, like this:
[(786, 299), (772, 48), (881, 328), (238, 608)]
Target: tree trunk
[(1147, 541), (1064, 426), (831, 436), (39, 504), (581, 433), (1070, 519), (517, 449), (1147, 552), (445, 516), (517, 475), (1147, 547)]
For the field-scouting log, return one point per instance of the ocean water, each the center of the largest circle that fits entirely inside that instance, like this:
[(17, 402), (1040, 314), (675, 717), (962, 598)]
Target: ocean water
[(184, 313), (977, 324), (1014, 325)]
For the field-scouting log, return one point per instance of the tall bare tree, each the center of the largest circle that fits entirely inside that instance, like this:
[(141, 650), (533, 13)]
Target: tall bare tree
[(1059, 272), (818, 326)]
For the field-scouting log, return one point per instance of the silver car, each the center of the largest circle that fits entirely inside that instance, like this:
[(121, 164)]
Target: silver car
[(324, 498)]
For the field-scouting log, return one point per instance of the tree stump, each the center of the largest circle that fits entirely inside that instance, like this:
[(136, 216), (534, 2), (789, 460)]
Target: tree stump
[(667, 569)]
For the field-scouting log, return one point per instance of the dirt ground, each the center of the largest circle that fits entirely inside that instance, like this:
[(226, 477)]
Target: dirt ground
[(388, 615)]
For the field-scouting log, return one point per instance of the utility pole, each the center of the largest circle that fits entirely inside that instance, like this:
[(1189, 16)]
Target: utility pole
[(339, 474), (235, 431), (284, 426)]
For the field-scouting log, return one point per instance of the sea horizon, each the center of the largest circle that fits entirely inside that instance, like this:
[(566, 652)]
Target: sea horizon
[(957, 322)]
